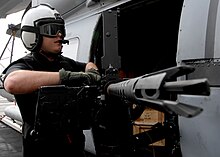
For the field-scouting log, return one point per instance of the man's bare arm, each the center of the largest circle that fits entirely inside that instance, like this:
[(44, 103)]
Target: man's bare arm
[(26, 81)]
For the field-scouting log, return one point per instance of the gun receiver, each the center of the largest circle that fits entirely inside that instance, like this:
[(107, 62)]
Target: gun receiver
[(147, 89)]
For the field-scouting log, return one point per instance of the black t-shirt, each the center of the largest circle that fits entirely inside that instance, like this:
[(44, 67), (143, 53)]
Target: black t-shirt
[(46, 146), (38, 62)]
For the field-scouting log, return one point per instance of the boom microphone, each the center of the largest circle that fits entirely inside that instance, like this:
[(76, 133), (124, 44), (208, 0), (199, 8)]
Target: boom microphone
[(64, 41)]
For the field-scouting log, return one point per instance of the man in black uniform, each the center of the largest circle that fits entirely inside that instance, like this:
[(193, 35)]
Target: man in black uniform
[(42, 33)]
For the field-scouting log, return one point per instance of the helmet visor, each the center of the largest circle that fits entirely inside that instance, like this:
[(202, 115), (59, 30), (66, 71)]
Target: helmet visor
[(52, 29)]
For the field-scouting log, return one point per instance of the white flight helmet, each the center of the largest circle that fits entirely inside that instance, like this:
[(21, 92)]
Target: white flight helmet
[(38, 21)]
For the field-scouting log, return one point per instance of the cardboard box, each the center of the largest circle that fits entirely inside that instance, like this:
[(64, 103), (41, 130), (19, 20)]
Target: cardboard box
[(147, 119)]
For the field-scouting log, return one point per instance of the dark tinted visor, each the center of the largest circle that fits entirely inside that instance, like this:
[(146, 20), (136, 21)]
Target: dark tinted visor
[(52, 29)]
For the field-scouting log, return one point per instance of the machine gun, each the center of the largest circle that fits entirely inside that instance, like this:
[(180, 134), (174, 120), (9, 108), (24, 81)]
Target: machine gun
[(107, 109), (114, 130)]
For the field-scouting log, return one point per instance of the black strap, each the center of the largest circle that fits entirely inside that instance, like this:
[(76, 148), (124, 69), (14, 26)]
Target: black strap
[(30, 29)]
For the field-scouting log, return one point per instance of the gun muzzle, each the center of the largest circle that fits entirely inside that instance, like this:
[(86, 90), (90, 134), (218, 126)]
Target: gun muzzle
[(147, 88)]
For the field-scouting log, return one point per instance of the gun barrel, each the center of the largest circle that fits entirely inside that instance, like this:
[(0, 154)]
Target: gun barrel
[(146, 90), (192, 87), (140, 87)]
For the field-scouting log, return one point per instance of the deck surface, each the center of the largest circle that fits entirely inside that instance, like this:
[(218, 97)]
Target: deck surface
[(10, 142), (10, 139)]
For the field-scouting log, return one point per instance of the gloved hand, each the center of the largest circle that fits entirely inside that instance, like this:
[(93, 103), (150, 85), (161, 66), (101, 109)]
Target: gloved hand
[(89, 77), (74, 78), (94, 76)]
